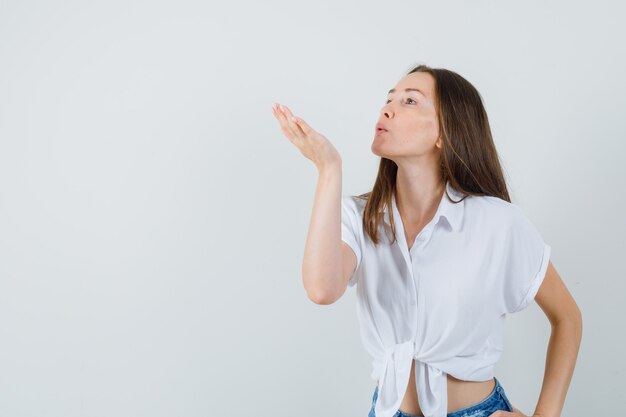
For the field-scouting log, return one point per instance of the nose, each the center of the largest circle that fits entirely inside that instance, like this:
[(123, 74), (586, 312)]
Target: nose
[(387, 111)]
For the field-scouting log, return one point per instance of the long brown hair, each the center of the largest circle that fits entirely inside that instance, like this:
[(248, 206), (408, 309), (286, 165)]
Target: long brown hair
[(469, 160)]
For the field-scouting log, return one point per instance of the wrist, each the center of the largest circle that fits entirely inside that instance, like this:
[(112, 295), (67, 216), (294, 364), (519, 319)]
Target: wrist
[(330, 168)]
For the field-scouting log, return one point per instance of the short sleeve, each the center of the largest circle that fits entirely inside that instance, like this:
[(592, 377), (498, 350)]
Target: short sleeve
[(351, 227), (526, 257)]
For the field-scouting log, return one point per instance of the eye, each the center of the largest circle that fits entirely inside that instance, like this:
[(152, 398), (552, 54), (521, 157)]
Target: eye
[(387, 102)]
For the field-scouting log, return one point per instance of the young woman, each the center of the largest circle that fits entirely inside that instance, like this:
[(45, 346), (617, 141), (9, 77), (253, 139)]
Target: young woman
[(439, 253)]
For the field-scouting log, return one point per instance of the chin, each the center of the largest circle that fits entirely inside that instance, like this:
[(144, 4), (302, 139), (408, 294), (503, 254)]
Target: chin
[(375, 148), (378, 151)]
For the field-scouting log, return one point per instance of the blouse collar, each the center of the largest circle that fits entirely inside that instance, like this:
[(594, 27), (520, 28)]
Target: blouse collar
[(452, 212)]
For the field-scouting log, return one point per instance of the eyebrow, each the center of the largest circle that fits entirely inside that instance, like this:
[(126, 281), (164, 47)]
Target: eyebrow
[(408, 89)]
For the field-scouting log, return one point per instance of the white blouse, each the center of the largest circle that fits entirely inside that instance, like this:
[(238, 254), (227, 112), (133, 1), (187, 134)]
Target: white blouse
[(442, 303)]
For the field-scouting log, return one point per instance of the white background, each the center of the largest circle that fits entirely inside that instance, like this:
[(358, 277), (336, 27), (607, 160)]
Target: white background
[(153, 216)]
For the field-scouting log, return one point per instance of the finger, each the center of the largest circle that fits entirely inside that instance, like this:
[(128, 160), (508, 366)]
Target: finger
[(306, 129), (279, 113), (282, 119), (296, 122), (289, 129), (292, 121), (499, 413)]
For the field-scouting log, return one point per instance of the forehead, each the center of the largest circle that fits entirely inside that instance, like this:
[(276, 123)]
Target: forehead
[(420, 80)]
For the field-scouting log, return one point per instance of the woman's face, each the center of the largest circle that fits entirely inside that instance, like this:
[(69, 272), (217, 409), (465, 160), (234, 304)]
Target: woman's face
[(410, 120)]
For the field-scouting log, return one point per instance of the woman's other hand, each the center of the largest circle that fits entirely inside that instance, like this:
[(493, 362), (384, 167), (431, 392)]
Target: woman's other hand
[(311, 144), (514, 413)]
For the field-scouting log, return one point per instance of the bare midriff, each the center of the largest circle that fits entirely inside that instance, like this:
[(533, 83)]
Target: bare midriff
[(461, 394)]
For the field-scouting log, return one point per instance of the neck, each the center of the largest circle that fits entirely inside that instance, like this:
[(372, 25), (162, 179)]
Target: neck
[(418, 197)]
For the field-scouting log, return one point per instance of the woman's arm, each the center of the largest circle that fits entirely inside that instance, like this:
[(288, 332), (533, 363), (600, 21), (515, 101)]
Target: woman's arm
[(322, 264), (566, 320), (323, 259)]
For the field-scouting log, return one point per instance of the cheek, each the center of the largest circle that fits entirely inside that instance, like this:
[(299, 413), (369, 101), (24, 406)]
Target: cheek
[(431, 122), (426, 125)]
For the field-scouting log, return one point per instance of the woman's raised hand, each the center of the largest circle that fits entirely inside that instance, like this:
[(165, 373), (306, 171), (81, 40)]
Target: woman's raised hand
[(311, 144)]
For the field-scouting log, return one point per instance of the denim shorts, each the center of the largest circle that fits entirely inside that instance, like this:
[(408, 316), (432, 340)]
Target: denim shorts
[(497, 400)]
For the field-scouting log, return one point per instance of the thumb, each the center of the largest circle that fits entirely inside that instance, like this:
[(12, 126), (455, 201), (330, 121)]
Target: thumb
[(303, 125), (517, 411)]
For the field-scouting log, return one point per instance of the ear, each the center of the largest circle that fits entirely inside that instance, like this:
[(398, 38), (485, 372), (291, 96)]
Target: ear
[(439, 142)]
